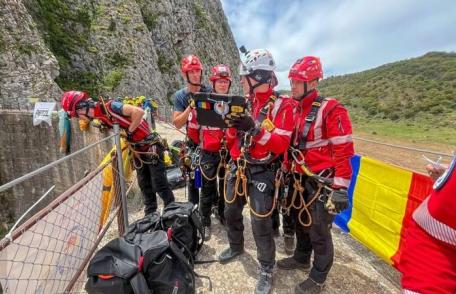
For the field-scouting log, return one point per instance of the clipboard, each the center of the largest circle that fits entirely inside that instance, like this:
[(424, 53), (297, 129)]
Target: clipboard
[(212, 108)]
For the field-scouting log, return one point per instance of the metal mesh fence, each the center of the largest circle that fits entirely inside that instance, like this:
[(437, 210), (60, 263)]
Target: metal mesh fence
[(49, 252), (165, 113)]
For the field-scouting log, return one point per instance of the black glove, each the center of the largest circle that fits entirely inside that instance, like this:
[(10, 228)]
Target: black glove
[(243, 123), (340, 200), (129, 136)]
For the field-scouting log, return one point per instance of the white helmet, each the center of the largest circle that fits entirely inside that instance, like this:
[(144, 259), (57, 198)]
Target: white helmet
[(256, 59)]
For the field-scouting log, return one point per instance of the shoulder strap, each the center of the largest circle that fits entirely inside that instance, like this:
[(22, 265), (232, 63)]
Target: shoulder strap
[(266, 108), (139, 284), (199, 226), (104, 107), (316, 104), (181, 257)]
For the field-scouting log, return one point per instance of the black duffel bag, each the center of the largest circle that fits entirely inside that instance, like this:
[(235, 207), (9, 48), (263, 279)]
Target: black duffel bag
[(183, 222), (150, 264)]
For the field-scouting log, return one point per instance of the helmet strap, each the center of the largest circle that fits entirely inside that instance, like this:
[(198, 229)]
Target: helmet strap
[(264, 80), (87, 105), (306, 92), (193, 84)]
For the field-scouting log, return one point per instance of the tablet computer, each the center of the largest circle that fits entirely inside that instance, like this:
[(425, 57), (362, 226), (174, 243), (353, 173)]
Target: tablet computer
[(212, 108)]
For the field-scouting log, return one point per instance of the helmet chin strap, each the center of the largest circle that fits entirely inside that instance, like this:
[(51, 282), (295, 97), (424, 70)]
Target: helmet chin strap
[(193, 84), (87, 105), (252, 88), (306, 92)]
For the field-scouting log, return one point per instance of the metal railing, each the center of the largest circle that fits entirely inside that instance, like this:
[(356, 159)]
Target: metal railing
[(49, 251)]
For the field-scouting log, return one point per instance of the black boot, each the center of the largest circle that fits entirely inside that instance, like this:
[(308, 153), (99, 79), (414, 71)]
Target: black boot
[(290, 263), (309, 286), (264, 283), (228, 254)]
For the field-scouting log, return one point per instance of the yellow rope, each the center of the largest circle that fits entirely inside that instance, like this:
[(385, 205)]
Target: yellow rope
[(298, 189)]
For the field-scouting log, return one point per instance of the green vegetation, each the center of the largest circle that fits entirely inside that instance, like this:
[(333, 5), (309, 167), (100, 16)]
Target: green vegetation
[(386, 129), (92, 49), (126, 19), (151, 20), (118, 59), (81, 80), (112, 80), (112, 25), (202, 19), (164, 64), (25, 48), (58, 20), (65, 29), (412, 98)]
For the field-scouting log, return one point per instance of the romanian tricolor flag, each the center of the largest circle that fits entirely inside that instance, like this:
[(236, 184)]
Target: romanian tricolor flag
[(383, 198), (204, 105)]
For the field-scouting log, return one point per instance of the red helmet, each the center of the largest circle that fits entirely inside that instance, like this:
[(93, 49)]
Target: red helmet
[(71, 99), (306, 69), (220, 71), (191, 62)]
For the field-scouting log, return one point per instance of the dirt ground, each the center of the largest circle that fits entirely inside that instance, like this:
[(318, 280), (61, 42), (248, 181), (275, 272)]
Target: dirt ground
[(355, 269)]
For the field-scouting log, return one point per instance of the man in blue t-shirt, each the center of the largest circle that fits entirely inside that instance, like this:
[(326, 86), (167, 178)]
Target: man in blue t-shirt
[(192, 71)]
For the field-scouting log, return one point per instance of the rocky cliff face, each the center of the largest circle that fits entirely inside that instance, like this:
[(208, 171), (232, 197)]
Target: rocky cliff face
[(27, 66), (107, 47)]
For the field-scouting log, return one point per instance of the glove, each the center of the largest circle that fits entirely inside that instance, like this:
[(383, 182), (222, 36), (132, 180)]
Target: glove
[(129, 136), (340, 200), (243, 123)]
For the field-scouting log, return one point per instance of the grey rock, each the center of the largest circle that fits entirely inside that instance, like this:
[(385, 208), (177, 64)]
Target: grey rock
[(108, 47)]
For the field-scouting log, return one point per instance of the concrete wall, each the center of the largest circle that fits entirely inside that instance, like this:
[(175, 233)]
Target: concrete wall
[(25, 148)]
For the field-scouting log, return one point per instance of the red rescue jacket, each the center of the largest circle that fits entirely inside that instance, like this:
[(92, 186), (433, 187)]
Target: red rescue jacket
[(329, 141), (110, 117), (436, 214), (264, 143), (209, 138)]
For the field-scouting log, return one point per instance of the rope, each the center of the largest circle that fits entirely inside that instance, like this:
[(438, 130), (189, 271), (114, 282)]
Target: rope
[(404, 147), (242, 182), (303, 206)]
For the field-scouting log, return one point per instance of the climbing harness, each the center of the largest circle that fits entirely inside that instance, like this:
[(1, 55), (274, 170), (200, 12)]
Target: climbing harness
[(323, 192)]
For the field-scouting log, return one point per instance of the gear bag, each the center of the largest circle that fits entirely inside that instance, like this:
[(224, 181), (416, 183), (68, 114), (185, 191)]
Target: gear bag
[(185, 222), (145, 260)]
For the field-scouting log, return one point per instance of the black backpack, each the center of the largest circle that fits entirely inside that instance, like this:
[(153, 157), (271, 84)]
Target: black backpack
[(156, 255), (151, 264), (186, 227)]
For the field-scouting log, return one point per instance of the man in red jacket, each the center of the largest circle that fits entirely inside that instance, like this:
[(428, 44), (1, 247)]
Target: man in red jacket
[(254, 142), (428, 262), (211, 141), (151, 172), (321, 142)]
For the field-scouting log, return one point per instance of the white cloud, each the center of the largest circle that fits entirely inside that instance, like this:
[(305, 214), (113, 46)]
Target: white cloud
[(348, 36)]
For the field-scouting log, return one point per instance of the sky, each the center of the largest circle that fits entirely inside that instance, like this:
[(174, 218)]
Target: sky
[(348, 35)]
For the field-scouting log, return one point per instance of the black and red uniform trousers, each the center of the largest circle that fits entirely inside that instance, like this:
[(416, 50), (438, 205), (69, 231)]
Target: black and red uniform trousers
[(152, 178), (261, 194), (212, 188), (316, 237)]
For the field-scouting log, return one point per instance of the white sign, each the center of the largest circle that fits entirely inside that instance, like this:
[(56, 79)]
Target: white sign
[(43, 112)]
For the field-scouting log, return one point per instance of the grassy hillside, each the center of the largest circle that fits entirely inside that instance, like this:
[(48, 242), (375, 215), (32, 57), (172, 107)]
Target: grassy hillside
[(415, 98)]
